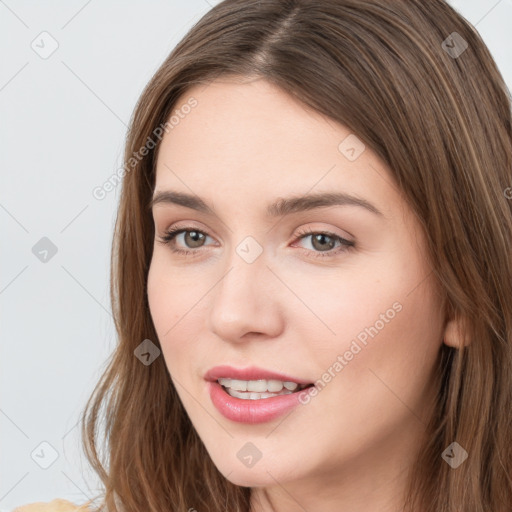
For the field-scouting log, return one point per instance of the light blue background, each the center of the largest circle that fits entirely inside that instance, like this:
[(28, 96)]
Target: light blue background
[(62, 127)]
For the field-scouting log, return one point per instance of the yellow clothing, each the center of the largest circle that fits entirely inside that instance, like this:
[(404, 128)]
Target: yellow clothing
[(57, 505)]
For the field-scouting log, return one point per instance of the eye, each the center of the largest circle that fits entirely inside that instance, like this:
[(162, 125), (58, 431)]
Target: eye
[(194, 237), (318, 241), (322, 247)]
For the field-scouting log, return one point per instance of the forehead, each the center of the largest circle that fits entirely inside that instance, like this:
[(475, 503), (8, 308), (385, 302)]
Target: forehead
[(243, 117), (252, 140)]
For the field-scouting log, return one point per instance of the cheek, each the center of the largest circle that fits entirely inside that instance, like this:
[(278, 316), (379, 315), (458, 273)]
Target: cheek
[(388, 360), (384, 318), (167, 300), (177, 312), (161, 301), (170, 295), (337, 306), (382, 381)]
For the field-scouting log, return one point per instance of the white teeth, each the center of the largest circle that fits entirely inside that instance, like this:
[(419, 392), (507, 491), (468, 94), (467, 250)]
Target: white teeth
[(240, 385), (275, 385), (258, 386), (255, 396)]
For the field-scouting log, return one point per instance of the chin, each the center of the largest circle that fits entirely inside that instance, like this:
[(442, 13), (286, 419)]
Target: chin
[(250, 477)]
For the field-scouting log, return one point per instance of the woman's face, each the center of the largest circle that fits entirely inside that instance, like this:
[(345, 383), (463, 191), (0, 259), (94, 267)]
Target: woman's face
[(262, 287)]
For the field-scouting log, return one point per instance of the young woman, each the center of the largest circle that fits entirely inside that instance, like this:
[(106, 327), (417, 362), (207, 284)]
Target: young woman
[(311, 270)]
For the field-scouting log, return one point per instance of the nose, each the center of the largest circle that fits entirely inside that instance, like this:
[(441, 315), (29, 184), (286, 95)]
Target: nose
[(245, 302)]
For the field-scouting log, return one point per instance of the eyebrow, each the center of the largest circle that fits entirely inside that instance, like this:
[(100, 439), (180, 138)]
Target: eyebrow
[(280, 208)]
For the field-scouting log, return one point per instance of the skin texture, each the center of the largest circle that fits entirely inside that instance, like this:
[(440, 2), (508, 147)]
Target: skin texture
[(243, 146)]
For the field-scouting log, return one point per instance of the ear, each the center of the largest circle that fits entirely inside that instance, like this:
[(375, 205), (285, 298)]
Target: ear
[(455, 332)]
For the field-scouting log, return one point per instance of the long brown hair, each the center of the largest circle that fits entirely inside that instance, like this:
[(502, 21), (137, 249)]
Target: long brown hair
[(415, 82)]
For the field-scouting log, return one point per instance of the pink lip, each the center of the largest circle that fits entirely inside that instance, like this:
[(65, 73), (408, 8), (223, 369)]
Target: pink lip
[(251, 373), (251, 411)]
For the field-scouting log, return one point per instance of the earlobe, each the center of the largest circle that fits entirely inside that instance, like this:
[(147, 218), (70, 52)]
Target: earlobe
[(454, 333)]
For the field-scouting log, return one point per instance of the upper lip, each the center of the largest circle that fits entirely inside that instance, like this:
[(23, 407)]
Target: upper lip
[(250, 373)]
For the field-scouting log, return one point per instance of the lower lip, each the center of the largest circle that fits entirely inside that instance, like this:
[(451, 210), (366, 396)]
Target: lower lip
[(252, 411)]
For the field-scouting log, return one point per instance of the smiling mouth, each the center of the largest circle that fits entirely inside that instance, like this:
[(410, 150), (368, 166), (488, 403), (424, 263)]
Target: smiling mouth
[(259, 389)]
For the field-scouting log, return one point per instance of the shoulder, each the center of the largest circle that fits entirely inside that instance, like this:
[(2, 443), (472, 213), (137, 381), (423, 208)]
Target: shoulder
[(56, 505)]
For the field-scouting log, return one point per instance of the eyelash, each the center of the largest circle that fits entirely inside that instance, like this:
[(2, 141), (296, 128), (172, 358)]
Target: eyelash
[(346, 245)]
